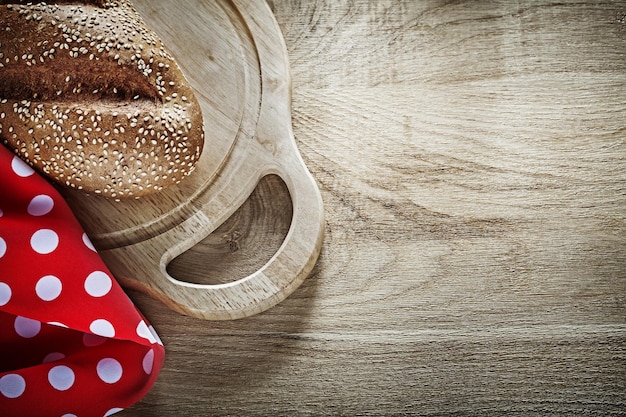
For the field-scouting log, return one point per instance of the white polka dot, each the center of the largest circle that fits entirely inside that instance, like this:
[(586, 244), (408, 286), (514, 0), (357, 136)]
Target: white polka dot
[(93, 340), (44, 241), (156, 335), (68, 415), (143, 331), (48, 288), (20, 167), (109, 370), (5, 294), (1, 213), (57, 324), (102, 327), (61, 377), (98, 284), (26, 327), (12, 385), (40, 205), (148, 362), (113, 411), (3, 247), (88, 243), (53, 357)]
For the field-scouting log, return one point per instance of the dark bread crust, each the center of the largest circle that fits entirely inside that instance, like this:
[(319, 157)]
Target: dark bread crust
[(91, 98)]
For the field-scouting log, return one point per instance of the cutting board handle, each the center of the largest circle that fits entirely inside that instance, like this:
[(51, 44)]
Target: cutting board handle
[(284, 272)]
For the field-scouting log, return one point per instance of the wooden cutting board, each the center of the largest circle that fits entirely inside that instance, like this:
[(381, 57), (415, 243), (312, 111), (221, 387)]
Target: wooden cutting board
[(233, 54)]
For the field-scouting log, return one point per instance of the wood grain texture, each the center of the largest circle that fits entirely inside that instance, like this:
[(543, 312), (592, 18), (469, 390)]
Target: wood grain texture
[(472, 160), (244, 242)]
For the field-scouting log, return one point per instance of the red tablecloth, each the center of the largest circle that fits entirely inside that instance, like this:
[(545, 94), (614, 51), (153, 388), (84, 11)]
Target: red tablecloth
[(71, 341)]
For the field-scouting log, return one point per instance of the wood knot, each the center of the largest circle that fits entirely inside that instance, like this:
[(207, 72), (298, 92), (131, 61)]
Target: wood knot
[(232, 239)]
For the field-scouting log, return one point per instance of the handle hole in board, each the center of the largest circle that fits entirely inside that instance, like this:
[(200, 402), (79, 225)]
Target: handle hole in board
[(244, 243)]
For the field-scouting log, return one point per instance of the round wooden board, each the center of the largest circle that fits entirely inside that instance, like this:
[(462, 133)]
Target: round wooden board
[(234, 57)]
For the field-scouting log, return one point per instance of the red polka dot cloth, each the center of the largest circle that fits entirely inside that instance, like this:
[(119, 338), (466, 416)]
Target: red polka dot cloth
[(71, 341)]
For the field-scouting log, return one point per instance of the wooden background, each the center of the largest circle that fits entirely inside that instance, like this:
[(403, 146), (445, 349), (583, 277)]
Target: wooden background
[(472, 159)]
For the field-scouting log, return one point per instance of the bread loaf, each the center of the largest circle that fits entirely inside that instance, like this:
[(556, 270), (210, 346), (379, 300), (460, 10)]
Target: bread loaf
[(91, 98)]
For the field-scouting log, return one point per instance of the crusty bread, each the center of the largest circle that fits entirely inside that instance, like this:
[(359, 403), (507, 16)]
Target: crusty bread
[(90, 97)]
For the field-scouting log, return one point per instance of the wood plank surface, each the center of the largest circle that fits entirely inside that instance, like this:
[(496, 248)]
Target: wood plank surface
[(472, 161)]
